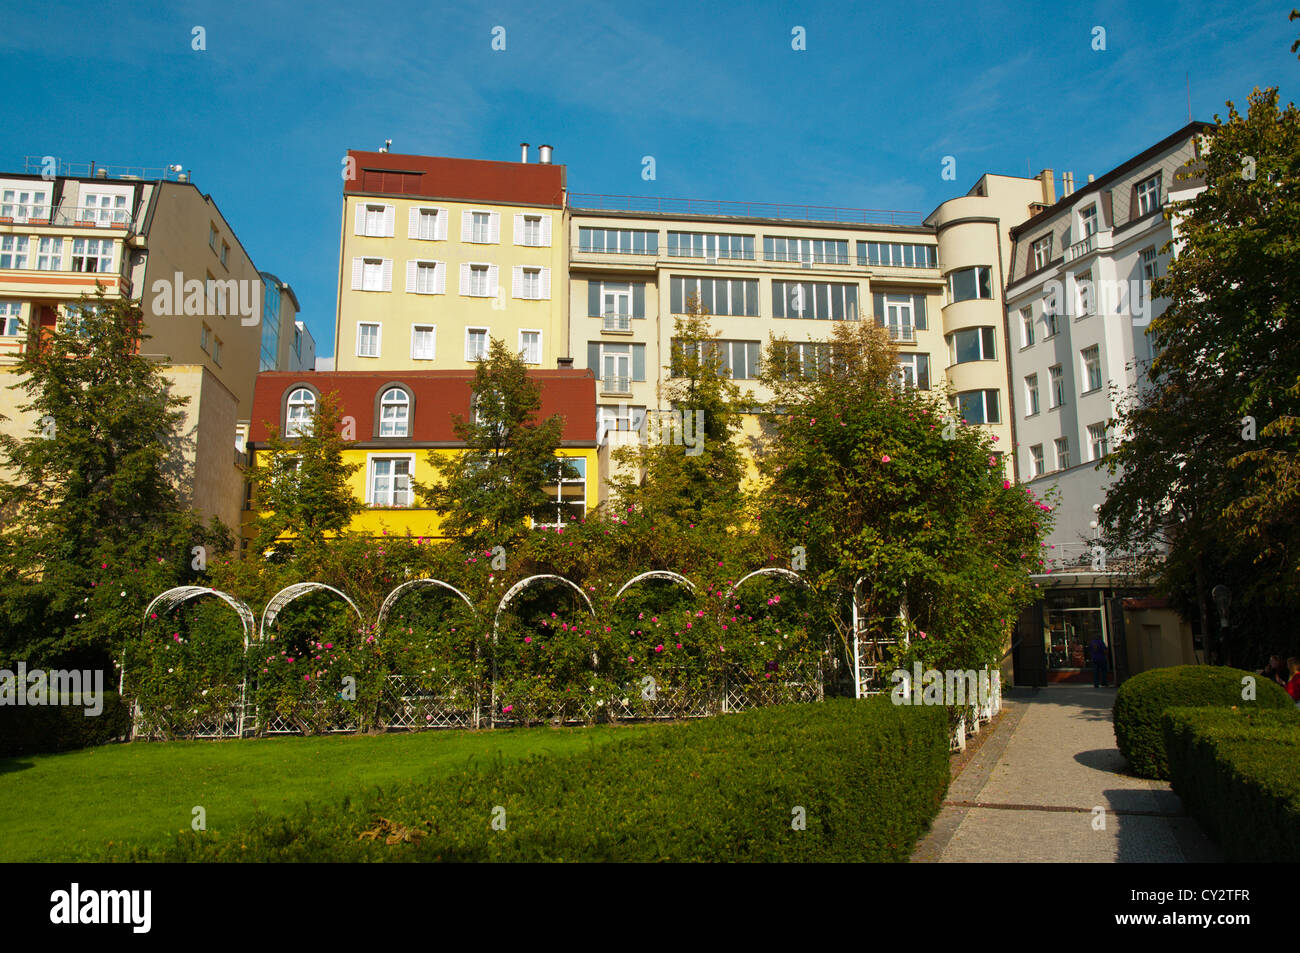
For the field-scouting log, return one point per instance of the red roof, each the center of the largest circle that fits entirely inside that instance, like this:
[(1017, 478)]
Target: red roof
[(437, 395), (474, 180)]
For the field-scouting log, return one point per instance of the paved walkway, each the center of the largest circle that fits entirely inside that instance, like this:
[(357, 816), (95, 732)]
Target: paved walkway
[(1030, 791)]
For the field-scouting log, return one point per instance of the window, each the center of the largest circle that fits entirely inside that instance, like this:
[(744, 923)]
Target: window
[(49, 254), (898, 255), (367, 340), (566, 489), (1057, 377), (1026, 327), (979, 406), (1150, 264), (478, 280), (106, 209), (205, 338), (395, 413), (1037, 466), (914, 370), (615, 241), (476, 344), (1087, 301), (1062, 453), (426, 277), (1098, 443), (902, 315), (390, 481), (1051, 325), (973, 344), (225, 254), (480, 227), (372, 274), (815, 299), (376, 221), (808, 360), (809, 250), (21, 205), (13, 251), (427, 224), (1148, 195), (11, 318), (300, 408), (485, 410), (739, 359), (620, 417), (617, 365), (737, 297), (533, 231), (212, 236), (1091, 363), (1042, 252), (970, 283), (422, 342), (705, 245), (530, 347), (1088, 222), (1031, 395), (216, 351), (76, 317), (91, 254), (531, 284)]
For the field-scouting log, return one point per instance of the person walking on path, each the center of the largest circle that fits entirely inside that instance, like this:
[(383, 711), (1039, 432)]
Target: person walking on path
[(1275, 671), (1293, 686), (1097, 650)]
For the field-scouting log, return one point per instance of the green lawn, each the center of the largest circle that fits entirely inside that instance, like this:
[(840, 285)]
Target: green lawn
[(67, 806)]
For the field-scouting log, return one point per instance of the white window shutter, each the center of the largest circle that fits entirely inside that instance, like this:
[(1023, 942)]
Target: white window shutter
[(519, 229), (390, 213), (360, 225), (358, 267), (494, 228), (546, 233), (546, 284), (464, 278), (493, 285), (388, 275), (440, 277), (413, 224), (411, 268), (466, 225), (441, 224), (517, 282)]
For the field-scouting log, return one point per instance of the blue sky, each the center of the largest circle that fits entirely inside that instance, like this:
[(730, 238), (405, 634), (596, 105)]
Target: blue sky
[(862, 118)]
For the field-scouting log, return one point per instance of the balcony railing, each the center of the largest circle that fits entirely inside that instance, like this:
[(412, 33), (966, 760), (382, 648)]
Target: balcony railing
[(710, 257), (616, 385), (66, 217), (904, 333), (581, 249), (617, 322), (590, 201), (1097, 241), (808, 258)]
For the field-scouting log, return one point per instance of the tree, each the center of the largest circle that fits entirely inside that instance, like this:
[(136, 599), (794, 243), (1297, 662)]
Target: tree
[(91, 506), (688, 467), (488, 492), (301, 482), (1222, 378)]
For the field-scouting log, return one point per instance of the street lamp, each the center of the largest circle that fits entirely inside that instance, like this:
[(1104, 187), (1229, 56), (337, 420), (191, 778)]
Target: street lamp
[(1222, 597)]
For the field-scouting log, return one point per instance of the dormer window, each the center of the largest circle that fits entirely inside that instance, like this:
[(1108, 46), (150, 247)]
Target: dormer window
[(300, 409), (395, 413)]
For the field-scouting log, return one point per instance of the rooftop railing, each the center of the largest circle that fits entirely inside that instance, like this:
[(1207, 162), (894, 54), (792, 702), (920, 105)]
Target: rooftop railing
[(597, 202)]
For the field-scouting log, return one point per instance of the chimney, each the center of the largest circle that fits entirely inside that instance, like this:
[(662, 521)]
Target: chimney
[(544, 155), (564, 363), (523, 152), (1067, 184), (1091, 176), (101, 173), (1048, 178)]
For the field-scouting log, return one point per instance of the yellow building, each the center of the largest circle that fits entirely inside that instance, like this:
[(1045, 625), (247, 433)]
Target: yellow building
[(439, 255)]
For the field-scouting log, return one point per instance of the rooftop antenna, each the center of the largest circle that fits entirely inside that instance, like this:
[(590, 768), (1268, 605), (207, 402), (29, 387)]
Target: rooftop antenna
[(388, 144)]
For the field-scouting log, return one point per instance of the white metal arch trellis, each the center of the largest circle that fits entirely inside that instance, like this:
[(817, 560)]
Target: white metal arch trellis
[(771, 571), (523, 584), (289, 593), (664, 574), (425, 583)]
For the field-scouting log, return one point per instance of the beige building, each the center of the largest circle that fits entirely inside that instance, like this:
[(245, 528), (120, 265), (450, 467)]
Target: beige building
[(157, 240)]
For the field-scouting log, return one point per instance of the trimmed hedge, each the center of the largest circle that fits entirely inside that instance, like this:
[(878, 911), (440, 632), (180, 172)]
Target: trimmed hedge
[(869, 775), (1238, 773), (39, 729), (1143, 699)]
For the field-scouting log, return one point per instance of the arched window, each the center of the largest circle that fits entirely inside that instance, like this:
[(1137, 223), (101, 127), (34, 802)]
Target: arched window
[(301, 406), (395, 413)]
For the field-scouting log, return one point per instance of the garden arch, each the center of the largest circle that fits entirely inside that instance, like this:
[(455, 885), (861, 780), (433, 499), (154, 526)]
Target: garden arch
[(391, 599), (289, 593), (664, 574), (771, 571), (523, 584)]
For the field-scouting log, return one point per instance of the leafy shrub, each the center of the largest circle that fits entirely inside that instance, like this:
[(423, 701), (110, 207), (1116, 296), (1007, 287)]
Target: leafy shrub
[(37, 729), (1143, 699), (1236, 772), (868, 775)]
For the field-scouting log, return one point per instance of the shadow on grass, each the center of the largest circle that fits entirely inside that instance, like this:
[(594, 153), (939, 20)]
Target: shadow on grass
[(9, 765)]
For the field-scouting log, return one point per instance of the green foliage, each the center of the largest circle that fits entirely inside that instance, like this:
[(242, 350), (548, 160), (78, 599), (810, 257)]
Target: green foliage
[(1235, 771), (487, 494), (1143, 699), (301, 483), (28, 730), (869, 776)]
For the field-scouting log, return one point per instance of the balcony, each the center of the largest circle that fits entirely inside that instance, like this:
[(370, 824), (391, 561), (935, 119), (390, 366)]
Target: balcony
[(66, 217), (616, 385), (809, 259), (617, 322), (903, 334), (1097, 241)]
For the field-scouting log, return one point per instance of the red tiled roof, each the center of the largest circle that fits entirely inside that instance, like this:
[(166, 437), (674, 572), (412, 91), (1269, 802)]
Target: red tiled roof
[(435, 177), (437, 396)]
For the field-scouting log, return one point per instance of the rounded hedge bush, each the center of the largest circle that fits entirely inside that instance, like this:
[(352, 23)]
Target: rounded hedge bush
[(1141, 702)]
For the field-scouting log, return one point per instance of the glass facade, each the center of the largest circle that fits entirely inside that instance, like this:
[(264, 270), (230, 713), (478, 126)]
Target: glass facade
[(270, 323)]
